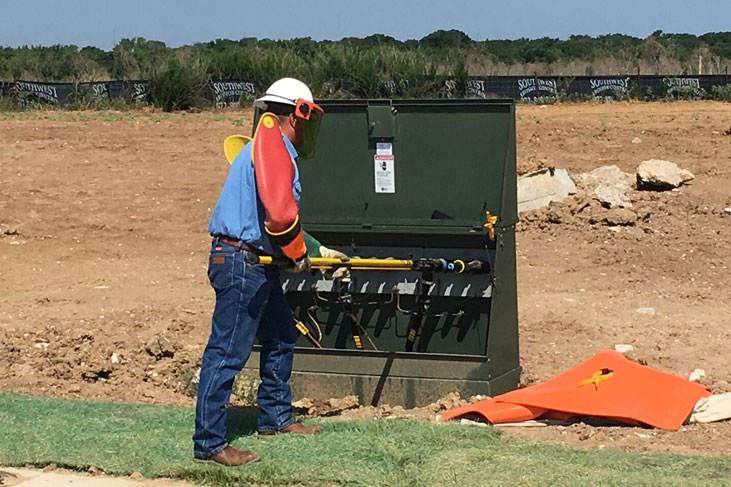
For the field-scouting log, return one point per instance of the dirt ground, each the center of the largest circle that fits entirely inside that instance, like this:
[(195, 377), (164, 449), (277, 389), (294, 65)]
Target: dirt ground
[(103, 250)]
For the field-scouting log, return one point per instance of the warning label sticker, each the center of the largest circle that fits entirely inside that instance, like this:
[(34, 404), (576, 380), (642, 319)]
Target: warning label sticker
[(384, 172)]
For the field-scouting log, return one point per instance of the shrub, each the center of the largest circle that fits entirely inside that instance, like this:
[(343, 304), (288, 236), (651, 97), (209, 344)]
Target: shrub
[(685, 93), (366, 74), (621, 95), (177, 85), (461, 77), (722, 93), (7, 104), (85, 96)]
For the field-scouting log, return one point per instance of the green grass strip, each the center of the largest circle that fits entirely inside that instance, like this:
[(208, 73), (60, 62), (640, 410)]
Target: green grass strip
[(122, 438)]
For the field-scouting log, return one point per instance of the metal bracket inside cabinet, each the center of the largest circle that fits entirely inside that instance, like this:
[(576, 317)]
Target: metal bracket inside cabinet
[(384, 282)]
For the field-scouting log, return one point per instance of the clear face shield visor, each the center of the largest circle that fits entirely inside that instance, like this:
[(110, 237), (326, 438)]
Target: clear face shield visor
[(309, 115)]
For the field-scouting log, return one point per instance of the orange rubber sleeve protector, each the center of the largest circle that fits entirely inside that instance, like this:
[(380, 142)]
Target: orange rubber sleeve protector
[(274, 173)]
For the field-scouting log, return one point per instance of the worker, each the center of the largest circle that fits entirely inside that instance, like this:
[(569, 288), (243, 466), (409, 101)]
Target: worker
[(257, 213)]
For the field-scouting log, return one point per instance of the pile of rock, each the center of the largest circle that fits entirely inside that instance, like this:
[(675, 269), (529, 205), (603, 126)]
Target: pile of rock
[(607, 187)]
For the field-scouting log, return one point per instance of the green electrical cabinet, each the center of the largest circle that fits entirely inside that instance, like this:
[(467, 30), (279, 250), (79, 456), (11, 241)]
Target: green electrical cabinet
[(410, 179)]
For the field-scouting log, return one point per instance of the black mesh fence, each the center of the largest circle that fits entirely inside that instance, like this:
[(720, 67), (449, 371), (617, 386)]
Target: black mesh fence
[(73, 95), (232, 93)]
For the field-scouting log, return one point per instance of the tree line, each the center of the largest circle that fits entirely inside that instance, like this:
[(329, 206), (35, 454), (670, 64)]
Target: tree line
[(367, 62)]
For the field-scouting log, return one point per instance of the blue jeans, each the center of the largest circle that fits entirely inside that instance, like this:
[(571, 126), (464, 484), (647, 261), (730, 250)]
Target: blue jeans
[(249, 303)]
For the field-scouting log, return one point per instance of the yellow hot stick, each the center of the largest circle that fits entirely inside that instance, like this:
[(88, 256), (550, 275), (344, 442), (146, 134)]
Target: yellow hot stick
[(353, 263)]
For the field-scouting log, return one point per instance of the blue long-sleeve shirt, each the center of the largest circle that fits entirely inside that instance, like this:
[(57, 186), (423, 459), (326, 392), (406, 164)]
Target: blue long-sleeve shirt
[(239, 213)]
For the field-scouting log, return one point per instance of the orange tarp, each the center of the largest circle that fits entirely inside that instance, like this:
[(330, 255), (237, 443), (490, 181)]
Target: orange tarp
[(607, 385)]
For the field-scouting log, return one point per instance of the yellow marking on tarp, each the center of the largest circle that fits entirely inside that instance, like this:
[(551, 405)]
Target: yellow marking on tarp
[(597, 377)]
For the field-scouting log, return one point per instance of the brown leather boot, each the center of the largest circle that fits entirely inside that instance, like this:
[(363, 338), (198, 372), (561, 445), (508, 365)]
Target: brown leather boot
[(298, 428), (231, 457)]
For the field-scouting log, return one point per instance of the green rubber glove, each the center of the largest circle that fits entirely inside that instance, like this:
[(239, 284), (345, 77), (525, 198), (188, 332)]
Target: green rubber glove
[(313, 245), (316, 249)]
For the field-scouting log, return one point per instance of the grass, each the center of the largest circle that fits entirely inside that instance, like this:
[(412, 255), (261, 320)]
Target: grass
[(155, 440)]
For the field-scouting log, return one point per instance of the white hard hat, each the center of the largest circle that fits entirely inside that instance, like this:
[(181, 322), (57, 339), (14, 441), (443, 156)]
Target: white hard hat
[(286, 91)]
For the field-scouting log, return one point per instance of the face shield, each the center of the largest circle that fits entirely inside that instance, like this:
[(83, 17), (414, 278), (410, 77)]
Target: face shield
[(309, 117)]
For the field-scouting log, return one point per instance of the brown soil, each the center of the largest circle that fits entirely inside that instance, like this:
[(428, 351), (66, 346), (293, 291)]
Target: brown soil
[(103, 248)]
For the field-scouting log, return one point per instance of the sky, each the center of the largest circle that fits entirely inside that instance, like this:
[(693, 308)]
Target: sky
[(102, 23)]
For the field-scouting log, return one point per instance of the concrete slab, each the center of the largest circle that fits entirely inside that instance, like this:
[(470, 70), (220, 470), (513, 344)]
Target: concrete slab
[(24, 477)]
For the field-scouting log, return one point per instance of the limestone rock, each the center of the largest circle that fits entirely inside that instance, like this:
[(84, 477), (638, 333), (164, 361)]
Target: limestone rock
[(612, 196), (696, 375), (623, 348), (8, 230), (657, 175), (610, 185), (606, 174), (539, 188)]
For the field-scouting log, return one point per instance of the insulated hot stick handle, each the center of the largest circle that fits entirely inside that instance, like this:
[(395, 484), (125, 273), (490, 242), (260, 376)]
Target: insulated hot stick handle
[(254, 259), (327, 262), (435, 265)]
